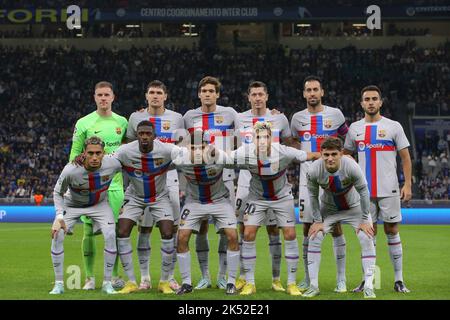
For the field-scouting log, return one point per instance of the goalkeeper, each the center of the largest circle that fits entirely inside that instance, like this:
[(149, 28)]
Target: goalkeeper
[(111, 128)]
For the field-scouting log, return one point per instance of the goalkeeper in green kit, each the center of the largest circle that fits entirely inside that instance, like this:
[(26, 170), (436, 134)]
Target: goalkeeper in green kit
[(111, 128)]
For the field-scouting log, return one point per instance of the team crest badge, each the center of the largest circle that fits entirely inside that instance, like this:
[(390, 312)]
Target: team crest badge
[(219, 119), (105, 178), (119, 130), (346, 182), (166, 125), (382, 133), (212, 172), (328, 123), (158, 162)]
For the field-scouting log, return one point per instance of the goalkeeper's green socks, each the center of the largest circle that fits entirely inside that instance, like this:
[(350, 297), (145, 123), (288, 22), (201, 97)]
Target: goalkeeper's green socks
[(89, 250)]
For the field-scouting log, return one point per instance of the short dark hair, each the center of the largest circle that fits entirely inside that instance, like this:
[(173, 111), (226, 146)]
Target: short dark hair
[(312, 78), (371, 88), (157, 84), (94, 140), (210, 80), (104, 84), (257, 84), (145, 123), (331, 143)]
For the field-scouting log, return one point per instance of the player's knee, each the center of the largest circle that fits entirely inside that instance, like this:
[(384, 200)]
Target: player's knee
[(391, 229), (124, 232), (232, 239), (289, 234), (249, 235)]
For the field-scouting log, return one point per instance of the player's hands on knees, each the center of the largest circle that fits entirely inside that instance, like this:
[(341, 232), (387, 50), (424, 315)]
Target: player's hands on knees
[(315, 228), (367, 228), (79, 160), (405, 193), (57, 225)]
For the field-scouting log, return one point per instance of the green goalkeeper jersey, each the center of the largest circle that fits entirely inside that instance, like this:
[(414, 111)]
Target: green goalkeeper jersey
[(110, 129)]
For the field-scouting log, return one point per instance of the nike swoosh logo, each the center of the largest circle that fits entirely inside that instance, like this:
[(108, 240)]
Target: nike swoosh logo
[(95, 132), (230, 224), (359, 134), (167, 215), (111, 223), (272, 220), (304, 124), (289, 221), (392, 217)]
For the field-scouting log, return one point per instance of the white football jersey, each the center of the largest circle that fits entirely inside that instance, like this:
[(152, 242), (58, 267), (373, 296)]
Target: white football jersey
[(269, 180), (147, 171), (312, 128), (85, 188), (377, 144), (280, 129)]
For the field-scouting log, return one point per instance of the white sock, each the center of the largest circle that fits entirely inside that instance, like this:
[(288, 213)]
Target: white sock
[(305, 258), (57, 252), (233, 264), (110, 252), (143, 253), (396, 254), (314, 257), (223, 244), (126, 257), (339, 249), (367, 258), (275, 252), (202, 248), (291, 255), (184, 260), (166, 258), (249, 258), (174, 257)]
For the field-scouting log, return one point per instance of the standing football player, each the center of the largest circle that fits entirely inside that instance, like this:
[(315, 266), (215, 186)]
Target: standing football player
[(218, 122), (269, 189), (111, 128), (168, 126), (377, 140), (281, 133), (311, 126)]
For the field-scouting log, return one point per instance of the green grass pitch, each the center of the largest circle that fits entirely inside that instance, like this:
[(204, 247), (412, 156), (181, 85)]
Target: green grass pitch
[(26, 269)]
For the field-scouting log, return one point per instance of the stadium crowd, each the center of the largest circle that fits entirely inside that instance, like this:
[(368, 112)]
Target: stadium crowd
[(44, 91)]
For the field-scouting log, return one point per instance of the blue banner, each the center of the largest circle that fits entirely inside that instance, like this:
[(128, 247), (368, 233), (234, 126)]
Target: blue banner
[(47, 214)]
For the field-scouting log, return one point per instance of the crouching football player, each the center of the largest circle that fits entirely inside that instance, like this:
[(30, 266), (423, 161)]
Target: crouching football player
[(87, 185), (207, 196), (345, 200)]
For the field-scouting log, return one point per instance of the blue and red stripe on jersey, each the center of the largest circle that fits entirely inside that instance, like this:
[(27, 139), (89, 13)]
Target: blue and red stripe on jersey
[(204, 190), (316, 134), (267, 181), (372, 145), (339, 192), (209, 123), (160, 135), (149, 174), (95, 187)]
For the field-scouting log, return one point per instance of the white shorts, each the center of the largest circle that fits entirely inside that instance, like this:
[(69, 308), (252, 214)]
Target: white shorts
[(101, 215), (353, 217), (242, 204), (147, 214), (387, 209), (221, 212), (304, 204), (257, 213)]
